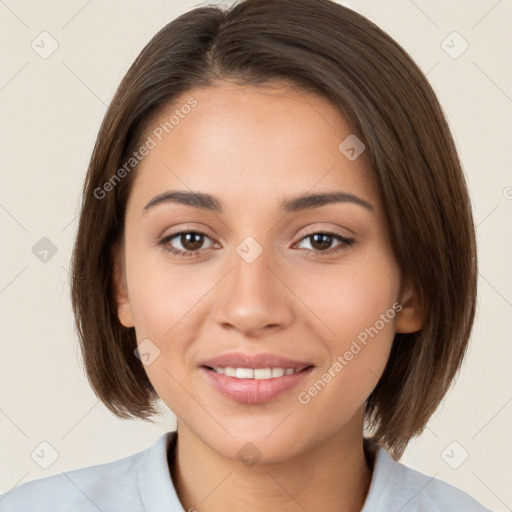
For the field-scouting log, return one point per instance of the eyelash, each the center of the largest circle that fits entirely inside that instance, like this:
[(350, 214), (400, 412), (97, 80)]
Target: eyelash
[(345, 243)]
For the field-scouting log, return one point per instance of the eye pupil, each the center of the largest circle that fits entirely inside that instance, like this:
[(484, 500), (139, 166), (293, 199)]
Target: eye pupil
[(321, 241), (192, 241)]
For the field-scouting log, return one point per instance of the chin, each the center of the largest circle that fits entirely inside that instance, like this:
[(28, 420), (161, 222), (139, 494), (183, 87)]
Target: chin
[(269, 440)]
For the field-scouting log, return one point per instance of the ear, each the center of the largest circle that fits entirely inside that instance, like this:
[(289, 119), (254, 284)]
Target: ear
[(124, 311), (411, 317)]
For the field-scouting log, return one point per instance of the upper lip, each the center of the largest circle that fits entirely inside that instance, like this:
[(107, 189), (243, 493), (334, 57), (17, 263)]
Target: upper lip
[(241, 360)]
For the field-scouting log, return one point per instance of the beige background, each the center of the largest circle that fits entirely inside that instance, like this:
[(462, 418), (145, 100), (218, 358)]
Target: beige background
[(51, 109)]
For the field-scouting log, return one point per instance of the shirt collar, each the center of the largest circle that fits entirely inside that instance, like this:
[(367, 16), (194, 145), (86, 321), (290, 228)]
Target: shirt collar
[(155, 482), (383, 470)]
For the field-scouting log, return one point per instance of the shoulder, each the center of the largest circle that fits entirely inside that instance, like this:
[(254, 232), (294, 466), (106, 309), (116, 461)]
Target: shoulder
[(395, 486), (111, 486), (429, 493)]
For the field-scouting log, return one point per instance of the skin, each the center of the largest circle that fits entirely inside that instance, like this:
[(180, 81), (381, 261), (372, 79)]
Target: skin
[(253, 148)]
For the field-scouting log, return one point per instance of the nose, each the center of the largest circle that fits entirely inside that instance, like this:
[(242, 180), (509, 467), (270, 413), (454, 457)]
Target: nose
[(253, 298)]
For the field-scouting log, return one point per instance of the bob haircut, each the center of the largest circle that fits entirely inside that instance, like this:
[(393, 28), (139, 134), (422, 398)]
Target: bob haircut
[(314, 46)]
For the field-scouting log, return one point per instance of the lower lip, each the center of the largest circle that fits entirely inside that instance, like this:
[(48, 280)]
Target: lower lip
[(253, 391)]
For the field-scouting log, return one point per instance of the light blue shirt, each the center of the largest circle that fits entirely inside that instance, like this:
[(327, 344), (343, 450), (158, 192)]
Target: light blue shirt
[(142, 483)]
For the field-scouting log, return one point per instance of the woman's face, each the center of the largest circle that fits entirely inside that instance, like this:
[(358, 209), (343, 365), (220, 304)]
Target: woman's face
[(260, 279)]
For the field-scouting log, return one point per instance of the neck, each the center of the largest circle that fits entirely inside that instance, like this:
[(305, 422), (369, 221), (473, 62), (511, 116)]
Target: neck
[(332, 476)]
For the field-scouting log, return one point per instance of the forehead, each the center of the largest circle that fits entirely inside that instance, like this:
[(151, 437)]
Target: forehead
[(250, 144)]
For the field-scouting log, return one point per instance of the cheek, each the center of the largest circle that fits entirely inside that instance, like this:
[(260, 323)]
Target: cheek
[(163, 295), (352, 298), (167, 302), (358, 305), (358, 356)]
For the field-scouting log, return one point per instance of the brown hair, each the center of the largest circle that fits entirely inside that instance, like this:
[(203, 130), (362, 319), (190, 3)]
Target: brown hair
[(320, 46)]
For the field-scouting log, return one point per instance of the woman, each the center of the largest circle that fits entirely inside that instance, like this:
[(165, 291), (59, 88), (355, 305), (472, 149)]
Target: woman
[(276, 241)]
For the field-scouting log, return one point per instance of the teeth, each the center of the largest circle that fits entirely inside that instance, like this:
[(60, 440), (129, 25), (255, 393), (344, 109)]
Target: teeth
[(244, 373), (263, 373), (230, 372), (256, 373), (277, 372)]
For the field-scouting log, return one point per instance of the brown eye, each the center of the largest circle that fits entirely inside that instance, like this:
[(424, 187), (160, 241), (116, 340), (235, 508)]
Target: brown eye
[(321, 243), (191, 241), (185, 243)]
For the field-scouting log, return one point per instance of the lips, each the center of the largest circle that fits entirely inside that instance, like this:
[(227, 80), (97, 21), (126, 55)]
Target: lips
[(245, 378)]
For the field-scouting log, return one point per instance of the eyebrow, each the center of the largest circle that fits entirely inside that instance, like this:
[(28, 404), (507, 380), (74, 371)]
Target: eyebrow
[(296, 204)]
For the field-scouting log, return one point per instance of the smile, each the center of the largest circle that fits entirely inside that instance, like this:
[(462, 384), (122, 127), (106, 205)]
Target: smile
[(253, 386), (255, 373)]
